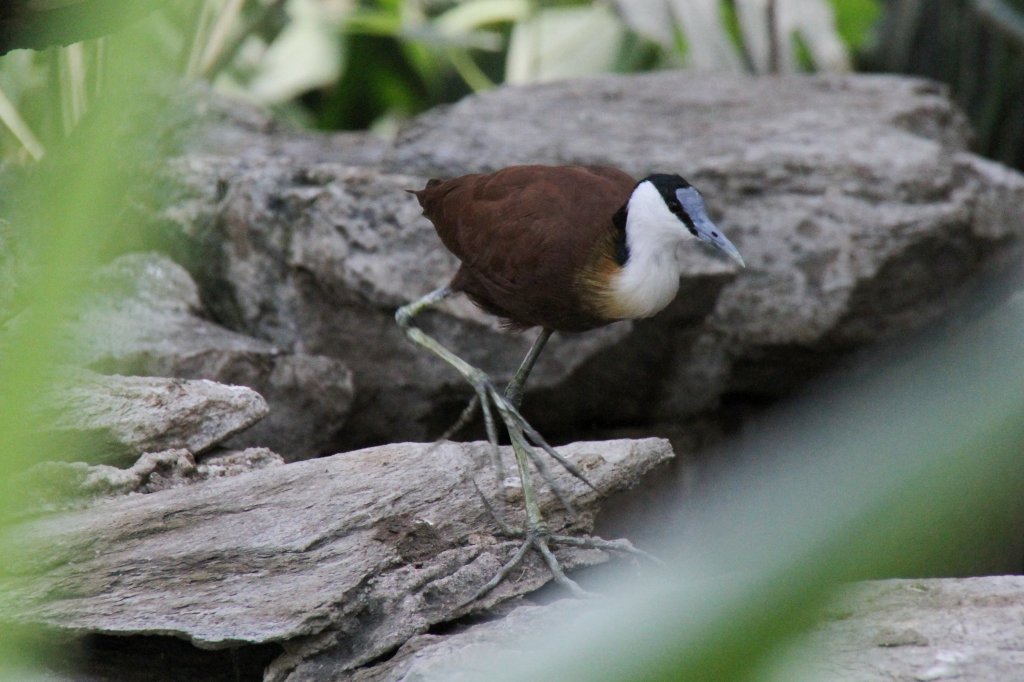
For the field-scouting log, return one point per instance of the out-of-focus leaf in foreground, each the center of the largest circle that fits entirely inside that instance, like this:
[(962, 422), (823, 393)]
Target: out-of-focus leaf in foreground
[(909, 472), (62, 213)]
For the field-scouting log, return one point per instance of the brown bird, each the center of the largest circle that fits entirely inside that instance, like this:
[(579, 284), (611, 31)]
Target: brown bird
[(563, 248)]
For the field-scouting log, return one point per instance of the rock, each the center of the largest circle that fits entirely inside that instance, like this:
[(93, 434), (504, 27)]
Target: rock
[(225, 463), (694, 122), (341, 559), (60, 486), (475, 652), (879, 631), (854, 200), (144, 317), (226, 126), (117, 418), (317, 258), (57, 486), (965, 628)]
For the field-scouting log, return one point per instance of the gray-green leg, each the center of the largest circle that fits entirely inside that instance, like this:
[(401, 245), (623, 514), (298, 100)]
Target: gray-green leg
[(514, 390), (537, 531), (520, 433), (475, 377), (514, 394), (485, 390), (537, 534)]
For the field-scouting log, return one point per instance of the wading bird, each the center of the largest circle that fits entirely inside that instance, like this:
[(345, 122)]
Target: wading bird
[(563, 248)]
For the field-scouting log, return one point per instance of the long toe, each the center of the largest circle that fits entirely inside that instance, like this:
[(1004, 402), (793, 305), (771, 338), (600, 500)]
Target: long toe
[(538, 542), (621, 545)]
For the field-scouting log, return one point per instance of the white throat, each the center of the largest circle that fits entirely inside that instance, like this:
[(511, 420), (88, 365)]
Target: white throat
[(650, 278)]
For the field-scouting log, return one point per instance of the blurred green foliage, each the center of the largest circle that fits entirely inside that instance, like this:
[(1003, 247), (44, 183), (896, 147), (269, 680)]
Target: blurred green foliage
[(855, 21), (58, 215), (355, 64), (976, 47)]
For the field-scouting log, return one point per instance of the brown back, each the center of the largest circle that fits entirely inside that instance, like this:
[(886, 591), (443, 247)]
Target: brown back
[(528, 236)]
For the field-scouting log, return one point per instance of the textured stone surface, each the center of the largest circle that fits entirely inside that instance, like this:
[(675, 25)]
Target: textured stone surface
[(144, 316), (318, 257), (691, 122), (226, 126), (918, 630), (913, 630), (475, 652), (344, 558), (59, 486), (854, 200), (114, 419)]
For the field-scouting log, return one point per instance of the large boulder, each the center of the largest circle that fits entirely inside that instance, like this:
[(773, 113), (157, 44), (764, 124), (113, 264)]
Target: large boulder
[(316, 258), (143, 315), (877, 631), (939, 629), (854, 200), (340, 559), (856, 205), (115, 419)]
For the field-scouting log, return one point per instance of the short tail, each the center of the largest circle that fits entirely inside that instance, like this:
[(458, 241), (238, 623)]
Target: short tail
[(420, 193)]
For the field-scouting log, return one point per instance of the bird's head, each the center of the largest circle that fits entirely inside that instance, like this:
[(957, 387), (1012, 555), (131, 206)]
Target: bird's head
[(669, 203)]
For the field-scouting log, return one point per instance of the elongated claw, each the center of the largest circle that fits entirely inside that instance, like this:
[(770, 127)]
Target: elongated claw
[(537, 541), (543, 444), (556, 570), (621, 545), (492, 430), (516, 559), (516, 425)]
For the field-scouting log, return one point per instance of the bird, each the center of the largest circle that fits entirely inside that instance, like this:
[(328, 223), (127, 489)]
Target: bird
[(567, 249)]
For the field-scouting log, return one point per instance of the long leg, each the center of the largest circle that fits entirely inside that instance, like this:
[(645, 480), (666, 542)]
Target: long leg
[(514, 390), (404, 317), (514, 394), (481, 383), (537, 532)]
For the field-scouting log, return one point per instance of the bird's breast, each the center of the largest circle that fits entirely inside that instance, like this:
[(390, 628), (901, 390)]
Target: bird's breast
[(640, 288)]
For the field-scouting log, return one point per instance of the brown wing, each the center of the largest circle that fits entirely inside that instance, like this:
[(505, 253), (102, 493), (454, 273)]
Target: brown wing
[(525, 233)]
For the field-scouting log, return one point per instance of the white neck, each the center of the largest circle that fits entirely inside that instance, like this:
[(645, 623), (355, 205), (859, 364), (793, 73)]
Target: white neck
[(650, 278)]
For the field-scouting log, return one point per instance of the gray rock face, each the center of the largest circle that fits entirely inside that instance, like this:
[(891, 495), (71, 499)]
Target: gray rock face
[(854, 200), (342, 558), (59, 486), (690, 122), (475, 652), (964, 629), (114, 419), (145, 318), (317, 258)]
